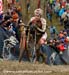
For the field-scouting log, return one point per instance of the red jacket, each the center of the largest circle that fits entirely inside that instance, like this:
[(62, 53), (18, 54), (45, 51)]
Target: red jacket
[(61, 47)]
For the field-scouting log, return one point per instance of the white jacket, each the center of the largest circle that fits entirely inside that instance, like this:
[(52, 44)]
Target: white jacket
[(43, 21)]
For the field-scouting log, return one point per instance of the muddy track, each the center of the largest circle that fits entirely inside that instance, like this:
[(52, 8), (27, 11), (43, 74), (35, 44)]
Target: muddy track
[(26, 68)]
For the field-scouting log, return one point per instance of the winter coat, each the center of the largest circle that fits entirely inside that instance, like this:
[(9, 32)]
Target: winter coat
[(4, 34)]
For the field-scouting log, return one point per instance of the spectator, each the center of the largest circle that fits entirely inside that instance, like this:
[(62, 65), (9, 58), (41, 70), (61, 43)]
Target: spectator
[(4, 34), (49, 13), (66, 23), (53, 31)]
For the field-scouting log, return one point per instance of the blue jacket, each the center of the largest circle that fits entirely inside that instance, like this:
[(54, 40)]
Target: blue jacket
[(4, 34), (61, 11)]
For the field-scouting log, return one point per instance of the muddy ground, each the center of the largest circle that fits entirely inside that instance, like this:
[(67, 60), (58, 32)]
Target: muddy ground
[(26, 68)]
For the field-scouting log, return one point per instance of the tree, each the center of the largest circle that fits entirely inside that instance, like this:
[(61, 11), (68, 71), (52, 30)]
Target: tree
[(4, 5), (24, 10)]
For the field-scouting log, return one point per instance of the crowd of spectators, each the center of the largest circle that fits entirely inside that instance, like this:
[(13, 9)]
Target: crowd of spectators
[(10, 21)]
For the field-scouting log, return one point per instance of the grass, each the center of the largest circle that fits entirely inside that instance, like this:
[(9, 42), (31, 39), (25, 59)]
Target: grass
[(25, 67), (55, 22)]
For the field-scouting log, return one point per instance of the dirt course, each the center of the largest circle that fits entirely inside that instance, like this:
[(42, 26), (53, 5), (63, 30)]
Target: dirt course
[(26, 68)]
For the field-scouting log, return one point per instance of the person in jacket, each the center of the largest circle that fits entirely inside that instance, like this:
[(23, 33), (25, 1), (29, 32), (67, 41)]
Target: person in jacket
[(38, 29), (4, 33)]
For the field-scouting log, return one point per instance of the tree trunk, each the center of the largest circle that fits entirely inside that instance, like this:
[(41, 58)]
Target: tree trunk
[(24, 10), (43, 6), (4, 5)]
